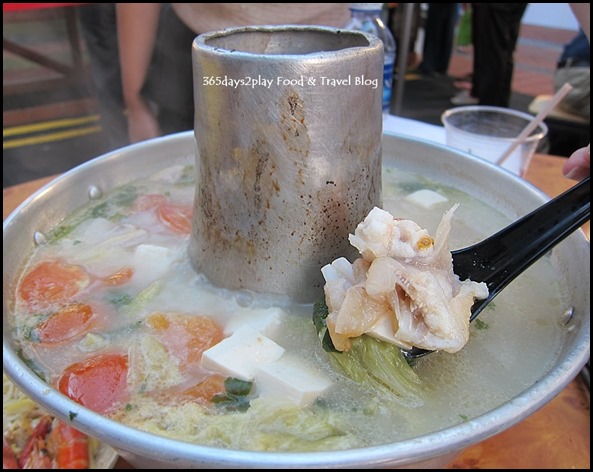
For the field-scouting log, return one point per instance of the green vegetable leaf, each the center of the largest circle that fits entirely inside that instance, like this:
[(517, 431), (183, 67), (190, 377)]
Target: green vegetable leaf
[(382, 367), (237, 386), (479, 324), (135, 304), (121, 300), (235, 398), (126, 196), (320, 312), (231, 402), (60, 232), (100, 210), (377, 364)]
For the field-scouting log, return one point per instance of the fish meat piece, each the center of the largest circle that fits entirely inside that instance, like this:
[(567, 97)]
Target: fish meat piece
[(404, 279)]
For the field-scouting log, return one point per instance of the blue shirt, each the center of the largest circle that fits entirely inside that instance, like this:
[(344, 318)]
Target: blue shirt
[(576, 53)]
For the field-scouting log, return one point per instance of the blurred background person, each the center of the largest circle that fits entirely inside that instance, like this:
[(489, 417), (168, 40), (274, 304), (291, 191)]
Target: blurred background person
[(155, 52), (578, 165), (574, 67), (394, 20), (439, 37), (98, 27), (495, 31)]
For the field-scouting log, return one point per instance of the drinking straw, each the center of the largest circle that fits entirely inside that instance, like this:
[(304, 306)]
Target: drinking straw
[(560, 94)]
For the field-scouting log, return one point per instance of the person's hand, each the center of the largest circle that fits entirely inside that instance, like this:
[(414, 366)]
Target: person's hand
[(142, 122), (578, 165)]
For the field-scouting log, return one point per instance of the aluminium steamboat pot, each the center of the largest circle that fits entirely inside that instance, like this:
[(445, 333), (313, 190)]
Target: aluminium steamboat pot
[(503, 190)]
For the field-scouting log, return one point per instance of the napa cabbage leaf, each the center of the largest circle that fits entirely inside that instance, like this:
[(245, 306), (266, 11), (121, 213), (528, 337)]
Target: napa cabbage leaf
[(378, 365)]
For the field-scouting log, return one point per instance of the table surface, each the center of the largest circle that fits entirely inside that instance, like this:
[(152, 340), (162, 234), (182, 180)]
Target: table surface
[(555, 437)]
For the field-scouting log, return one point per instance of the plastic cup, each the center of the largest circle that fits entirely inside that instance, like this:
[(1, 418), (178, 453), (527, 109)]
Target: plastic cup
[(487, 132)]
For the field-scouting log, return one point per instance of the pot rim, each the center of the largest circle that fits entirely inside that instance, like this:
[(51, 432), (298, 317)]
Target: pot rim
[(372, 43)]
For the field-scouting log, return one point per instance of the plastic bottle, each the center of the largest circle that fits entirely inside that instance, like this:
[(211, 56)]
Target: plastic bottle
[(366, 17)]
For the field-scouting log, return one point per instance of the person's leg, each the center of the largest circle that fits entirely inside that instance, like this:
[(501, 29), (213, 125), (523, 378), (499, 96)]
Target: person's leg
[(98, 26), (499, 25), (170, 79), (395, 24), (514, 14), (450, 18), (478, 45), (470, 96), (432, 34)]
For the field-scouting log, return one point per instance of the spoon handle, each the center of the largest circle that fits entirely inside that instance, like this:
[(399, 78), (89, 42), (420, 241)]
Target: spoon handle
[(500, 258)]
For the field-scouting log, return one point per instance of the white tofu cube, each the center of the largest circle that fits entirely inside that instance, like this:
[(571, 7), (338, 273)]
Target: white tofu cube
[(266, 321), (426, 198), (241, 353), (290, 378), (152, 262)]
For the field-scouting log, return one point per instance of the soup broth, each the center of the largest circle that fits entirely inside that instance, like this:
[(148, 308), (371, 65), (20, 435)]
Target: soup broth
[(130, 299)]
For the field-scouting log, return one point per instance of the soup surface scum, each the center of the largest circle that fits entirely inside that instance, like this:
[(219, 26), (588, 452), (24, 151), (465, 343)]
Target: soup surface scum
[(111, 313)]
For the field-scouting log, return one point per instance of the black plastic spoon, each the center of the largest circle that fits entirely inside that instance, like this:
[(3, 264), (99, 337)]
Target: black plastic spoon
[(499, 259)]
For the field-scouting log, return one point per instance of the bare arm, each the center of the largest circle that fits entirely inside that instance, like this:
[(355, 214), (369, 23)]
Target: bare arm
[(582, 12), (578, 165), (136, 30)]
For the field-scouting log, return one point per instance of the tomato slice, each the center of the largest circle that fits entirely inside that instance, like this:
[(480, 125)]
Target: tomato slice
[(176, 216), (98, 383), (69, 322), (53, 281)]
